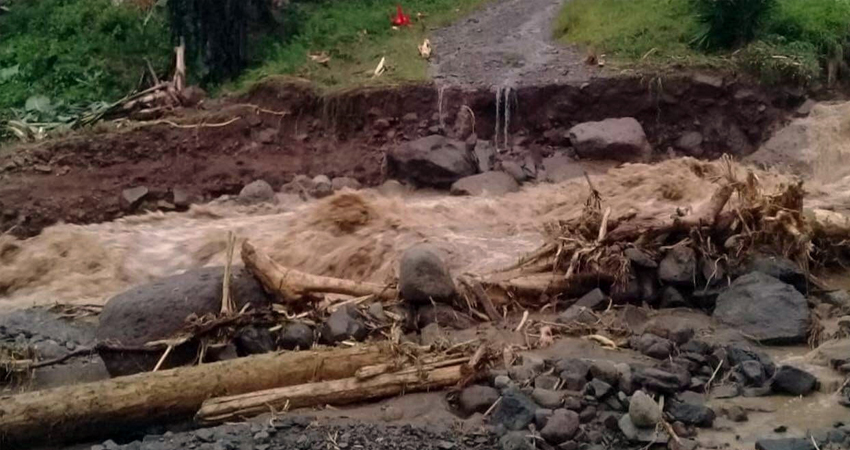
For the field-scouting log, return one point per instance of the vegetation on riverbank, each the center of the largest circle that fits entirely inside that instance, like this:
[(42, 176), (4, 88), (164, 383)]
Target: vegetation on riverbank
[(791, 41)]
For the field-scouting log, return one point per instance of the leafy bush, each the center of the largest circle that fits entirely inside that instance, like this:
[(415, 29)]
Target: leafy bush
[(76, 51), (776, 61), (822, 23), (730, 23)]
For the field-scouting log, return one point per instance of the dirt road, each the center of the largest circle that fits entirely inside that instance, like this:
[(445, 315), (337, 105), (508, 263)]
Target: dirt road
[(508, 44)]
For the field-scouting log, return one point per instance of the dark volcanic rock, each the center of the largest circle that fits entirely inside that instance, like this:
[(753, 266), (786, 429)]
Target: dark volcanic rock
[(477, 399), (593, 300), (736, 355), (679, 266), (780, 268), (254, 341), (296, 336), (515, 411), (343, 324), (652, 345), (423, 277), (753, 372), (560, 427), (690, 413), (765, 308), (158, 310), (794, 381), (434, 161), (574, 372), (620, 139), (661, 380)]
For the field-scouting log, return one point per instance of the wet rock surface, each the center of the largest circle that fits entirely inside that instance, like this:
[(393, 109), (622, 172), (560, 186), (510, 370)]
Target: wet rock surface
[(158, 310), (433, 161), (620, 139), (765, 308), (424, 277)]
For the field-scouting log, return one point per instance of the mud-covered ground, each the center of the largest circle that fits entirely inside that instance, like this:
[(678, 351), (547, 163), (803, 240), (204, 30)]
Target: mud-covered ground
[(301, 432)]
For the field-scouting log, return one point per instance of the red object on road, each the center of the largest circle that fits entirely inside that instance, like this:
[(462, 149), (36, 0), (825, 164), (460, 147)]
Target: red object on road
[(401, 19)]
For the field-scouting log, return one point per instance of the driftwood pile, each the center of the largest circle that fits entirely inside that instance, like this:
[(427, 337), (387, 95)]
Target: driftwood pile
[(740, 219)]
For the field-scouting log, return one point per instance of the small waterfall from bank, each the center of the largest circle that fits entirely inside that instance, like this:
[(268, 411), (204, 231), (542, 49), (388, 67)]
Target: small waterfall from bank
[(504, 95)]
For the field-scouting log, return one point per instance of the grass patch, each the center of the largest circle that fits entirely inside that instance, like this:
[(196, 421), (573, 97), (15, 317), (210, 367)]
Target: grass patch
[(629, 29), (793, 43), (355, 34), (76, 51)]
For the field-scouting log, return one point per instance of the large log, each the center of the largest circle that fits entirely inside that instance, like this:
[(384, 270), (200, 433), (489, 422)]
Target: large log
[(72, 413), (293, 286), (335, 392)]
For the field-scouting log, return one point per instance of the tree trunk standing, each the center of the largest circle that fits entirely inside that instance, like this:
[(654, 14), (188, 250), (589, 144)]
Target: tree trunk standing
[(73, 413), (216, 34)]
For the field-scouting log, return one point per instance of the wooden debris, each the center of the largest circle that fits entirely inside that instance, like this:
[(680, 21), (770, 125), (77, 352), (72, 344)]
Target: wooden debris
[(293, 286), (82, 411), (336, 393)]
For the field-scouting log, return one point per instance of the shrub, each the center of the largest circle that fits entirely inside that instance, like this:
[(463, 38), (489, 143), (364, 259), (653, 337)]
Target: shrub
[(776, 61), (730, 23)]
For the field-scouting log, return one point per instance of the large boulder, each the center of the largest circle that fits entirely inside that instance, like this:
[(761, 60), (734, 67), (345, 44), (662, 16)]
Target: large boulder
[(780, 268), (158, 310), (432, 161), (617, 139), (423, 277), (767, 309), (256, 192), (490, 183)]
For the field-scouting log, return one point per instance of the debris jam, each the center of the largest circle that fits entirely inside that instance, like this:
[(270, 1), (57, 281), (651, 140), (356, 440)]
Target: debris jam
[(590, 299)]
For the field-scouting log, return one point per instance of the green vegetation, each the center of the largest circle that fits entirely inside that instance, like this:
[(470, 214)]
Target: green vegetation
[(730, 23), (355, 35), (780, 41), (59, 53), (63, 55), (629, 28)]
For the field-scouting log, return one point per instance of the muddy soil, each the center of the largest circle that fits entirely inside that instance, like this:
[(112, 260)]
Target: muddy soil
[(509, 43), (290, 129), (307, 432)]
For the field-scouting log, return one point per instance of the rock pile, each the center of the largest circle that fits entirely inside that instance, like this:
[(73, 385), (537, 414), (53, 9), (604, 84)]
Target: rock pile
[(573, 402)]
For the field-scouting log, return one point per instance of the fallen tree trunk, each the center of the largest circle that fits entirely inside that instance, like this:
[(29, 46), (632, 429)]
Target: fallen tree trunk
[(336, 392), (72, 413), (293, 286)]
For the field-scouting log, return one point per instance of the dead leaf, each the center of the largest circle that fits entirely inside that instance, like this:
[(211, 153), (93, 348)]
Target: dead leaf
[(321, 58), (425, 49)]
